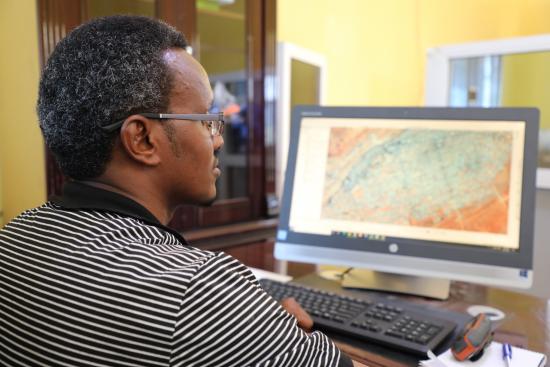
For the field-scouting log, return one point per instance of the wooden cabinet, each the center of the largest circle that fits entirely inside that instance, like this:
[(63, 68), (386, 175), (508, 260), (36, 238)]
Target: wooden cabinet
[(250, 242), (258, 255), (235, 42)]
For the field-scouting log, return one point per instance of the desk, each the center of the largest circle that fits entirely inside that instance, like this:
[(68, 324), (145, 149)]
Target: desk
[(527, 324)]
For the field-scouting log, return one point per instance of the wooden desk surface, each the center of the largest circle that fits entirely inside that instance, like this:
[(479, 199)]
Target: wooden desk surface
[(526, 325)]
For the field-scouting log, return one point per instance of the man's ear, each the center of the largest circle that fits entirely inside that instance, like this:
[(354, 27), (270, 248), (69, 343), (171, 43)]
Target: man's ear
[(139, 137)]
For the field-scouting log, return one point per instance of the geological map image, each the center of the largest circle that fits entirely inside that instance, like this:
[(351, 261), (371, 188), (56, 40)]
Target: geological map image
[(456, 180)]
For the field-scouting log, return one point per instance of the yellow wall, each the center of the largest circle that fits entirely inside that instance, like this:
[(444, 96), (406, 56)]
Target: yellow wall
[(22, 175), (376, 50), (526, 82)]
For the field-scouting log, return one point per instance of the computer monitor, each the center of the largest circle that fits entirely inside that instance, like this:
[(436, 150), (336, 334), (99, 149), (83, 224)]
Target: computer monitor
[(419, 195)]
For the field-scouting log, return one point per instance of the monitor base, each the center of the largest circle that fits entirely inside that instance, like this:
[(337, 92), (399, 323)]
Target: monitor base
[(390, 282)]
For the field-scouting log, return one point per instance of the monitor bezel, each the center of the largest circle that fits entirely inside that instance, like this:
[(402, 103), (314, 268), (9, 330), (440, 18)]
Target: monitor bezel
[(467, 254)]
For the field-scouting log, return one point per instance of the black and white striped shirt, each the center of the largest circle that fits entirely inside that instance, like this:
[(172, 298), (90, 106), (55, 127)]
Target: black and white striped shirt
[(93, 279)]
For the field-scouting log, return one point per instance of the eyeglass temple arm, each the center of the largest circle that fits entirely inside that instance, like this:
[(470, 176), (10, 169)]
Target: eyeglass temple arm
[(189, 116), (193, 116), (112, 127)]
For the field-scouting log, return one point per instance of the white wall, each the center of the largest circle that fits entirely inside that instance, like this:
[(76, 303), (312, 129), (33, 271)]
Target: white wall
[(541, 286)]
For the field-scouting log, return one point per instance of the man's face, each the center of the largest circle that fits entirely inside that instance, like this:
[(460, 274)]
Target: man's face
[(190, 163)]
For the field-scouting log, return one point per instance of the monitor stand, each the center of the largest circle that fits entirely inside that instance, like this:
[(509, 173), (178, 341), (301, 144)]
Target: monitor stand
[(391, 282)]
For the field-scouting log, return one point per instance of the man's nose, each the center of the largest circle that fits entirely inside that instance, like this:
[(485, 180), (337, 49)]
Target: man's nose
[(218, 142)]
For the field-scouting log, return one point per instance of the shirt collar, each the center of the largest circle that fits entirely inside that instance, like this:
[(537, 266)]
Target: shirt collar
[(78, 195)]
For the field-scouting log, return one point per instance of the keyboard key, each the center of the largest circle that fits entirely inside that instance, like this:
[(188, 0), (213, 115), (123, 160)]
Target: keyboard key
[(395, 333), (338, 319), (424, 338)]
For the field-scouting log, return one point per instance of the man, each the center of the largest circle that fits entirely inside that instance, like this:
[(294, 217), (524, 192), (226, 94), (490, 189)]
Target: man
[(94, 278)]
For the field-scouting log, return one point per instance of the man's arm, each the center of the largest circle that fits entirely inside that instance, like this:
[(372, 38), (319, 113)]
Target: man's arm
[(303, 319), (226, 319)]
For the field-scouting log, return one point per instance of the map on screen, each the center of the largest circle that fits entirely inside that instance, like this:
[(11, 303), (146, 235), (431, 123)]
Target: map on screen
[(457, 180)]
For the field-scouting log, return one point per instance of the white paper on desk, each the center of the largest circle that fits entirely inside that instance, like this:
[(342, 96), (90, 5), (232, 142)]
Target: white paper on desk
[(264, 274), (493, 357)]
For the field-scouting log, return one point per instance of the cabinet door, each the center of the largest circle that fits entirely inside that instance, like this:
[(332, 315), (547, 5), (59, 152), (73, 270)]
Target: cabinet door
[(231, 42), (235, 42)]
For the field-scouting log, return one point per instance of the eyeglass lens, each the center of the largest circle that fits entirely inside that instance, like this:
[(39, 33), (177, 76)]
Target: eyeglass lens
[(216, 127)]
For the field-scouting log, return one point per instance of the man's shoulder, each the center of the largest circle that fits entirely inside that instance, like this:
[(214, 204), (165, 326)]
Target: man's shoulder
[(219, 264), (106, 235)]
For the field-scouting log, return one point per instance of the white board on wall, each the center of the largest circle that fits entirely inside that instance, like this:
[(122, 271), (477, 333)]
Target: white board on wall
[(291, 59)]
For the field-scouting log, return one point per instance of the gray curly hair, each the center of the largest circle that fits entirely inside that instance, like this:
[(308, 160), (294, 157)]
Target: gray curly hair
[(103, 71)]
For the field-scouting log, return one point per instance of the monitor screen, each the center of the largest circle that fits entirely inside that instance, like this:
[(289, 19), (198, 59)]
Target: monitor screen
[(440, 192)]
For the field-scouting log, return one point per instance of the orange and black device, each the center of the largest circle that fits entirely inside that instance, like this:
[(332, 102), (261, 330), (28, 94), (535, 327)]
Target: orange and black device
[(471, 343)]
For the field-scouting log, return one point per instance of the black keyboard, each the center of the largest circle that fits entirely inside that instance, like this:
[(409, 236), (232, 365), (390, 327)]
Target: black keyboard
[(391, 323)]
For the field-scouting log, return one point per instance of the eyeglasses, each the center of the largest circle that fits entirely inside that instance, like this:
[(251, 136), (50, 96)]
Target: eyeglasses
[(214, 121)]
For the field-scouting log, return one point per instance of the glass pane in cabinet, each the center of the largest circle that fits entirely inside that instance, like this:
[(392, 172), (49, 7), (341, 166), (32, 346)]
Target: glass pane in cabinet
[(221, 27), (101, 8)]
